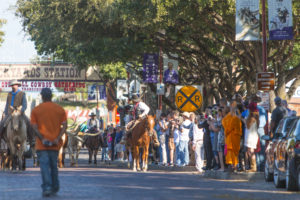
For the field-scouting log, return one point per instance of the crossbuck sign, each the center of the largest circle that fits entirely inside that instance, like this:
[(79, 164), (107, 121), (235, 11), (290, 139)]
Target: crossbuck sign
[(188, 99)]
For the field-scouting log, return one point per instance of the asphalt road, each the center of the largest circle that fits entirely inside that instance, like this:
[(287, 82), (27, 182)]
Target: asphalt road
[(96, 182)]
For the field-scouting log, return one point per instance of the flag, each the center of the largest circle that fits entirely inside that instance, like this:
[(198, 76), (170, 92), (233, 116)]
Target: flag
[(280, 19), (247, 20), (150, 68)]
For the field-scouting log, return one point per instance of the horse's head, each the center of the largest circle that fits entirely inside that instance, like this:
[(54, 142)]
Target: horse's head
[(16, 118), (151, 122)]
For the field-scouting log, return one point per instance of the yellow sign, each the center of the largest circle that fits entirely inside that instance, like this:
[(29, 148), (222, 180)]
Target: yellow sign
[(188, 99)]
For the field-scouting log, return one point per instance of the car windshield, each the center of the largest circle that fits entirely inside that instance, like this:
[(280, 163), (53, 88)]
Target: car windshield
[(288, 125), (297, 129)]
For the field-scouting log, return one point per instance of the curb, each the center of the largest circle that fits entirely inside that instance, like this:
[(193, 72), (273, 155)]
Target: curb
[(250, 176), (124, 165)]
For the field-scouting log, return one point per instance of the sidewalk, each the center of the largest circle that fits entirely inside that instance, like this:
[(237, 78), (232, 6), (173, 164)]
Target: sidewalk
[(251, 176), (122, 165)]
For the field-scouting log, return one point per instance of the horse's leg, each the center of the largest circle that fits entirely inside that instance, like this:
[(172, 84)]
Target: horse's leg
[(146, 156), (133, 157), (63, 157), (12, 154), (60, 165), (143, 159), (24, 163), (137, 157), (21, 156), (95, 156), (90, 155), (77, 153)]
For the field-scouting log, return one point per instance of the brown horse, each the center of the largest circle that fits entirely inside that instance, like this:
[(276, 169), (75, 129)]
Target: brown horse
[(140, 139)]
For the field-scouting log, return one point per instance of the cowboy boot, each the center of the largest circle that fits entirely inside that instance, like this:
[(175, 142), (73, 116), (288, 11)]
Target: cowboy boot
[(252, 165)]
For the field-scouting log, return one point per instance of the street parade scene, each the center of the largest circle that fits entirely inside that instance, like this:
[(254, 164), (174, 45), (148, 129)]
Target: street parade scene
[(149, 99)]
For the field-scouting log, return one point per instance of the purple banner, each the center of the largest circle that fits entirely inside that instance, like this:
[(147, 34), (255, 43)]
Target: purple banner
[(280, 20), (150, 65)]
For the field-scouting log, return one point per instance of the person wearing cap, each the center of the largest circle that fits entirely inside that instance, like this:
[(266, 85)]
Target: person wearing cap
[(278, 113), (15, 99), (185, 129), (285, 105), (49, 122), (93, 126)]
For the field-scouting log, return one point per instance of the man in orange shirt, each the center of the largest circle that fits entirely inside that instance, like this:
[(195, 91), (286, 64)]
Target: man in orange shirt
[(49, 122)]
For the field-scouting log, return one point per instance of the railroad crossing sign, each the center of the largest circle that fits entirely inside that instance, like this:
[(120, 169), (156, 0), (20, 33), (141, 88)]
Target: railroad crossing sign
[(188, 98)]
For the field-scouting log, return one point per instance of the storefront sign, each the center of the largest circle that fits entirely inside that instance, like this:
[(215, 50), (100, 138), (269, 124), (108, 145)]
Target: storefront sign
[(46, 73)]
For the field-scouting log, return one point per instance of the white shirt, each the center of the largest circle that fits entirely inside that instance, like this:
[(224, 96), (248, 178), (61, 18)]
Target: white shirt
[(143, 107), (198, 134), (184, 136)]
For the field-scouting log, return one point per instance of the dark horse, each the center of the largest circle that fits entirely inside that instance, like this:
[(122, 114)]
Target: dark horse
[(140, 139), (93, 143)]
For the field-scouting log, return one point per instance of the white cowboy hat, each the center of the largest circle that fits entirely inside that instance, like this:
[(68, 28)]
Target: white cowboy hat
[(15, 82), (186, 114)]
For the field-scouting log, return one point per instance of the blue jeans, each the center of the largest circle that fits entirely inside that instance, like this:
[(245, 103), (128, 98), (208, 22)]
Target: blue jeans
[(104, 153), (49, 170), (178, 162), (184, 152)]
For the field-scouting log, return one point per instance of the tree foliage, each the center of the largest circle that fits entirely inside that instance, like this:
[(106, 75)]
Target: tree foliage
[(2, 21), (201, 32)]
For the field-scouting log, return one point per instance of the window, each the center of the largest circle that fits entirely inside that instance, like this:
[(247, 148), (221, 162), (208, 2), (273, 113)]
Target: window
[(278, 132), (288, 125)]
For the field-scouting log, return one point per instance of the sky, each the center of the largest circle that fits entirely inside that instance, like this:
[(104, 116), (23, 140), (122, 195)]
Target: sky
[(17, 47)]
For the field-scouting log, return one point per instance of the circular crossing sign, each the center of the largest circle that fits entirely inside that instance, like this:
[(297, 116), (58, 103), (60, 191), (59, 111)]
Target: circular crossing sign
[(188, 99)]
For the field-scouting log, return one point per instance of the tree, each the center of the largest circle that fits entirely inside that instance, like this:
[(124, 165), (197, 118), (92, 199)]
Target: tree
[(201, 32), (2, 21)]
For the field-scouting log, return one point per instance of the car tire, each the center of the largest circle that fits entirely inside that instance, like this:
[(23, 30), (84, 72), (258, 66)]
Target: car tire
[(267, 174), (276, 178), (290, 180)]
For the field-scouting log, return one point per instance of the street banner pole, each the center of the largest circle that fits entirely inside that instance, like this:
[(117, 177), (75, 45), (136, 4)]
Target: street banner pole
[(264, 43), (160, 77), (264, 52)]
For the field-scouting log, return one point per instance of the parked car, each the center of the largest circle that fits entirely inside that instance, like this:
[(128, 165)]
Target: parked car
[(283, 154), (283, 128)]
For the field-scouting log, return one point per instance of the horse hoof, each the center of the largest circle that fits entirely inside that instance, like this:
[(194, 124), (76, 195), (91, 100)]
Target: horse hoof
[(134, 170), (139, 169)]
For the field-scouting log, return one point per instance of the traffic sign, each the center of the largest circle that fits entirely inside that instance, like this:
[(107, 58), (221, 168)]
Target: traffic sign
[(265, 81), (188, 99)]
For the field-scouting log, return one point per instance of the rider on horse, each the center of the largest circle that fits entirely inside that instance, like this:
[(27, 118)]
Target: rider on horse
[(15, 99), (93, 126), (140, 111)]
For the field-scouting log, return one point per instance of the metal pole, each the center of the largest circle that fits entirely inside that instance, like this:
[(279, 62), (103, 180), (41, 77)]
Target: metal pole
[(264, 44), (264, 50), (160, 76)]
